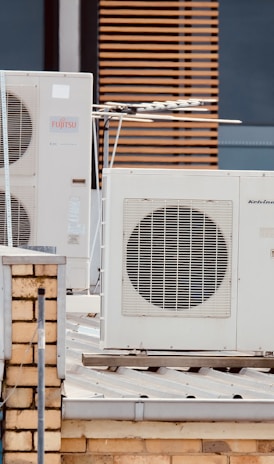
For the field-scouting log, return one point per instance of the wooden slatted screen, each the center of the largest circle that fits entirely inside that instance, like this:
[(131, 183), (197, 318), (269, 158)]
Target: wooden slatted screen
[(160, 50)]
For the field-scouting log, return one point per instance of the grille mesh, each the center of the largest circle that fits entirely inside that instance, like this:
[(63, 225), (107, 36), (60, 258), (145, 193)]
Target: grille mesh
[(176, 256), (21, 223), (19, 129)]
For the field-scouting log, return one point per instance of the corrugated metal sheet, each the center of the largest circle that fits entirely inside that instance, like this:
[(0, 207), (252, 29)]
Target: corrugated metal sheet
[(163, 383)]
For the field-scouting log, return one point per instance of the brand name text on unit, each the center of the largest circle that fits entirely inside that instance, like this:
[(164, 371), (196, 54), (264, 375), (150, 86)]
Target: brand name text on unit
[(64, 124), (261, 202)]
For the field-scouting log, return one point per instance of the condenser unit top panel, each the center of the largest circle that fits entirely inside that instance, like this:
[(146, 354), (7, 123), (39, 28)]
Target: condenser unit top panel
[(184, 173)]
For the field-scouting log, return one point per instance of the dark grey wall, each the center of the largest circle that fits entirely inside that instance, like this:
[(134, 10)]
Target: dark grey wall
[(246, 69), (22, 34), (247, 60)]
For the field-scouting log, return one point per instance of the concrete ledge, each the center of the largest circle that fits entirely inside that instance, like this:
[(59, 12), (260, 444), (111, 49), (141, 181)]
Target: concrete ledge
[(14, 255)]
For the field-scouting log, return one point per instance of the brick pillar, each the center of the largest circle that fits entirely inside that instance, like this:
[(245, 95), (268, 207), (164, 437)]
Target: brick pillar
[(21, 418)]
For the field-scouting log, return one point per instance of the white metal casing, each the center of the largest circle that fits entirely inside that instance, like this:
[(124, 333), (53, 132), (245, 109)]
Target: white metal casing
[(239, 313), (51, 177)]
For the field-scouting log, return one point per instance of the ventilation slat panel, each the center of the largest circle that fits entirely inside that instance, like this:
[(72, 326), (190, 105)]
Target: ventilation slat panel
[(157, 51)]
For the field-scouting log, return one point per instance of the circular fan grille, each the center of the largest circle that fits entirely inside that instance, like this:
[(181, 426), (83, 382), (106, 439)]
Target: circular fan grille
[(21, 227), (176, 258), (19, 129)]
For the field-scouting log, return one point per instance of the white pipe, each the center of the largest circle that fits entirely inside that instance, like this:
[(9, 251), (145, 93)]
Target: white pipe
[(6, 158), (69, 35)]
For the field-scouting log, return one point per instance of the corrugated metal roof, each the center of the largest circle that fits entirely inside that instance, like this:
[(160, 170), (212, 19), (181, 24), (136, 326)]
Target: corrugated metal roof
[(101, 388)]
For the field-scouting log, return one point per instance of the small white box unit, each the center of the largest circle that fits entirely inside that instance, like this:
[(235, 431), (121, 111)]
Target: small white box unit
[(187, 260), (49, 138)]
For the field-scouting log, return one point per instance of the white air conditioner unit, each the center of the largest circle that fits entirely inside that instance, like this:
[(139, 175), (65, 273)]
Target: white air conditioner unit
[(187, 260), (49, 139)]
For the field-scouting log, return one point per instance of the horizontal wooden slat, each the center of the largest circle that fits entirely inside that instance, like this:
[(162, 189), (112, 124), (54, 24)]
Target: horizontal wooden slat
[(140, 38), (163, 30), (160, 3), (160, 55), (156, 149), (169, 144), (167, 159), (210, 73), (115, 63), (166, 12), (149, 46), (158, 90), (163, 133), (156, 81), (149, 87), (156, 20), (149, 97)]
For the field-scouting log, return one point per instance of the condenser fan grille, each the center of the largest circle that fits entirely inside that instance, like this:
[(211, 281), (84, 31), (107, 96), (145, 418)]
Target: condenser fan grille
[(175, 256), (21, 226), (19, 126)]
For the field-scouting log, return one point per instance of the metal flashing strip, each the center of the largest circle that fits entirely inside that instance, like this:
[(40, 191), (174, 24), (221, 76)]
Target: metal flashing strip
[(168, 410)]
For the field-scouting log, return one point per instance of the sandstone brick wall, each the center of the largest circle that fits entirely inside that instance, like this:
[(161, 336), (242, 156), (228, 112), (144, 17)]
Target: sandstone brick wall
[(20, 423), (124, 442), (167, 451)]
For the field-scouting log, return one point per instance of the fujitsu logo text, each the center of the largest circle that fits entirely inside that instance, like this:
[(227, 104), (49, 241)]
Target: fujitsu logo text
[(63, 124)]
